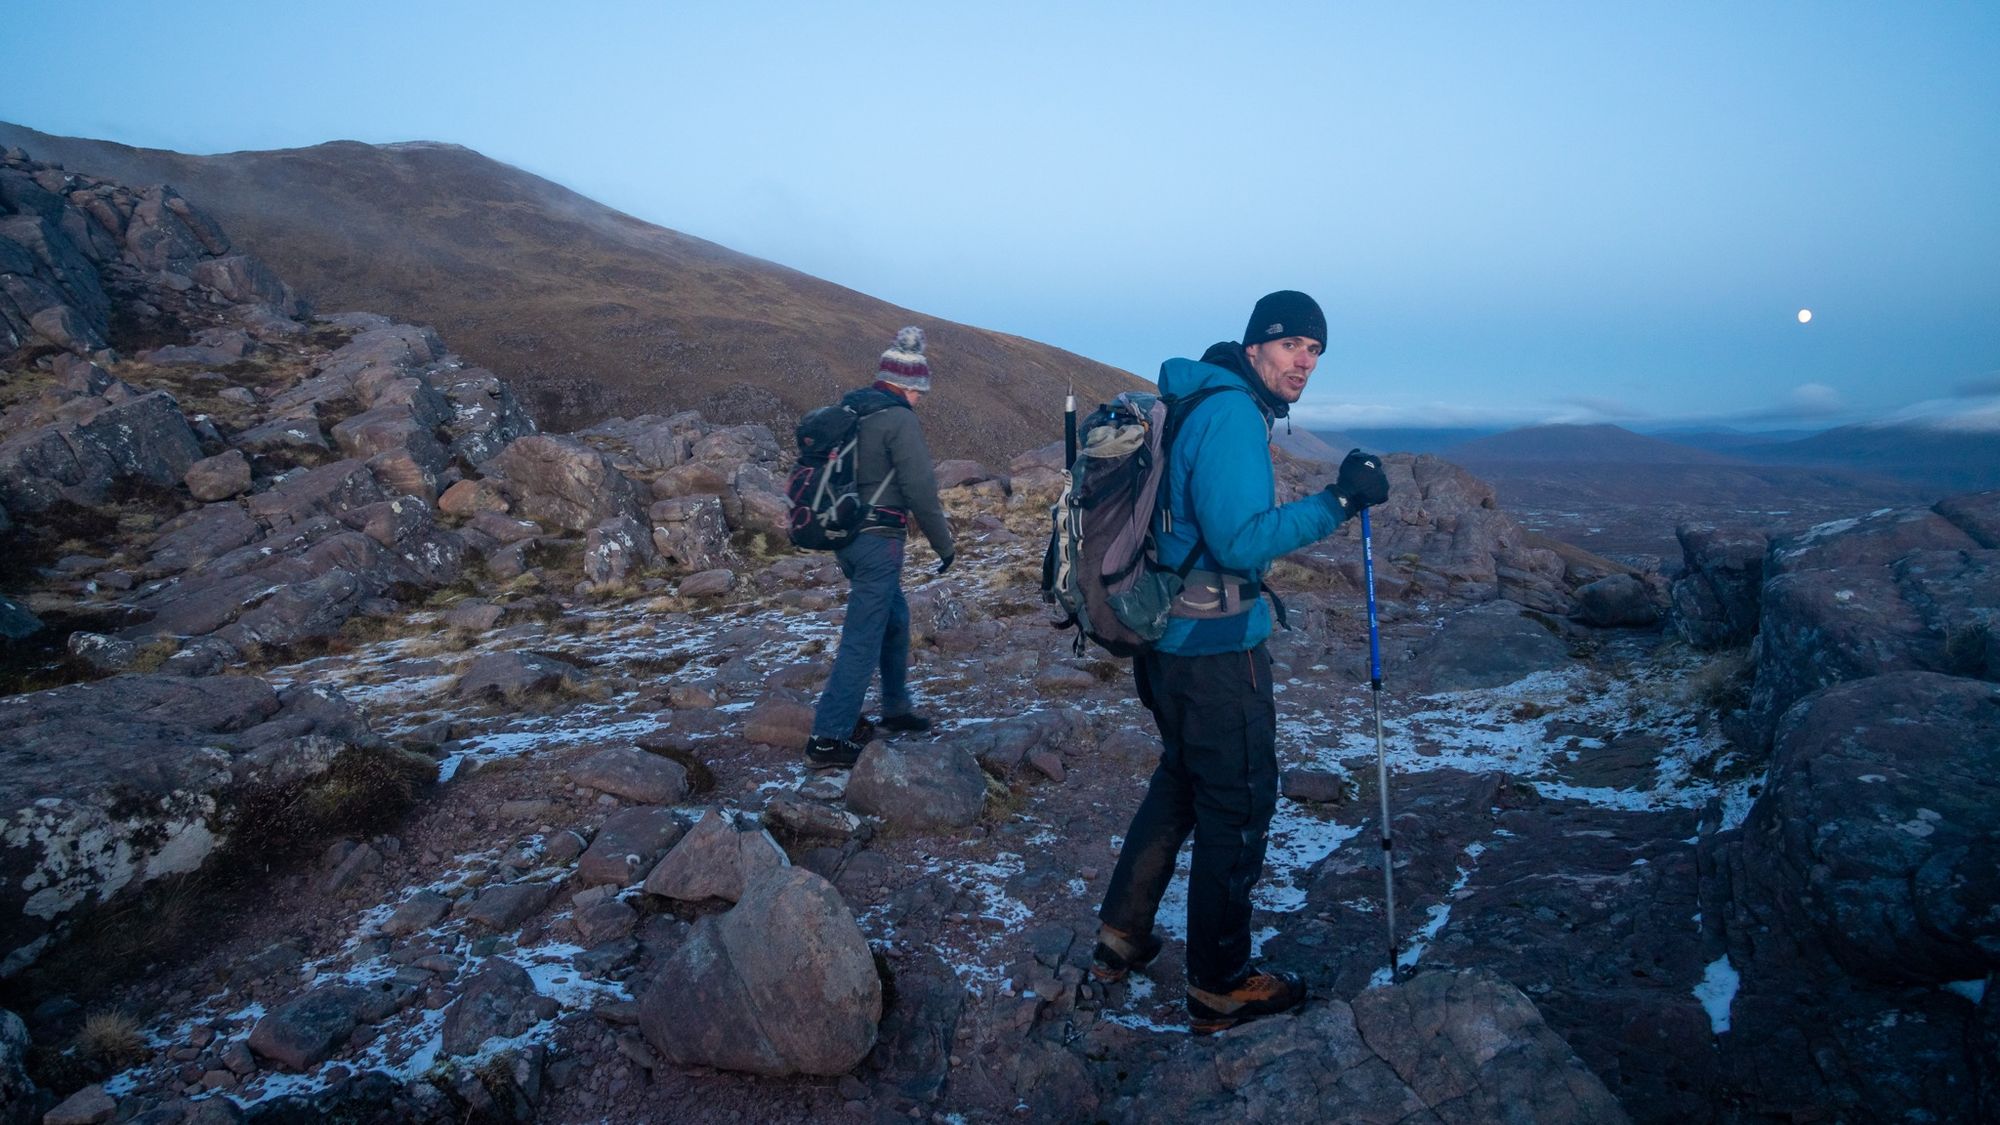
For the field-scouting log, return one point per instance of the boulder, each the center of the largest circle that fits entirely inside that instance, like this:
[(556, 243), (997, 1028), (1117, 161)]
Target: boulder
[(634, 775), (1472, 1048), (562, 483), (512, 675), (1487, 646), (302, 1033), (1931, 610), (88, 1106), (499, 1002), (220, 477), (467, 497), (707, 584), (783, 983), (1714, 603), (107, 786), (780, 721), (718, 859), (629, 844), (616, 550), (1876, 539), (17, 1090), (502, 909), (1879, 825), (952, 474), (690, 533), (420, 911), (920, 789), (1459, 1047), (1615, 602)]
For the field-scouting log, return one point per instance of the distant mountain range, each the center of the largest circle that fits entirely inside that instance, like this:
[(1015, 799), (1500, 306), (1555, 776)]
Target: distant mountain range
[(1936, 461), (587, 311)]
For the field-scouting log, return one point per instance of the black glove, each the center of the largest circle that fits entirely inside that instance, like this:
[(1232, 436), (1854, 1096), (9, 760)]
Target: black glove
[(1361, 483), (945, 561)]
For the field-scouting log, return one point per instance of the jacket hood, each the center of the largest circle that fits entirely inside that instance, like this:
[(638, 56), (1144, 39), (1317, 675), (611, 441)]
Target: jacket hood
[(867, 400), (1223, 364)]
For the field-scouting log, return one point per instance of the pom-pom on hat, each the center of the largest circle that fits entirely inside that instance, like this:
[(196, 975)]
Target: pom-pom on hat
[(904, 364)]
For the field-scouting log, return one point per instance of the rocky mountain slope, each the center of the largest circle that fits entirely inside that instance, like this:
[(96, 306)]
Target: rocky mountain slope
[(394, 760), (586, 312)]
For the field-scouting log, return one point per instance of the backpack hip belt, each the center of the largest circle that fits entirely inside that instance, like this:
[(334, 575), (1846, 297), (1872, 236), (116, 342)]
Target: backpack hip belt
[(1210, 594)]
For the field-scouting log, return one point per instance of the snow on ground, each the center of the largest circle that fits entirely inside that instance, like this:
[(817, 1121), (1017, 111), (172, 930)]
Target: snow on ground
[(1717, 991)]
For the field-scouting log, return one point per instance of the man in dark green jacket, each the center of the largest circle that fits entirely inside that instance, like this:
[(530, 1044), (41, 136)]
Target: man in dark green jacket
[(892, 469), (1207, 680)]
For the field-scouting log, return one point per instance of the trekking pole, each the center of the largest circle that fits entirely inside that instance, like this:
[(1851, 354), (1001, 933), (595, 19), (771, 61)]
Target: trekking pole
[(1381, 754), (1069, 429)]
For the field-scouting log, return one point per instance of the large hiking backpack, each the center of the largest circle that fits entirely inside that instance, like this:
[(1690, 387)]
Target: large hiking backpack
[(1100, 567), (827, 510)]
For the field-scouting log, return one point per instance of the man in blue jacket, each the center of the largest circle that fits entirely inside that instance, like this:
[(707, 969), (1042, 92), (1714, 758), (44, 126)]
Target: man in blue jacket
[(1207, 681)]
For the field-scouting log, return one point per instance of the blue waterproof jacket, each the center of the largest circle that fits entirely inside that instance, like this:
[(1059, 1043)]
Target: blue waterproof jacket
[(1220, 489)]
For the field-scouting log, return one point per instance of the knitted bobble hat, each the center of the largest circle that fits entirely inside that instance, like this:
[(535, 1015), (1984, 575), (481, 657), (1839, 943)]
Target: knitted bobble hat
[(904, 365)]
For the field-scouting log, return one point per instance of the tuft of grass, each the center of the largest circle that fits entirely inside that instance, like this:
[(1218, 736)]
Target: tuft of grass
[(110, 1039)]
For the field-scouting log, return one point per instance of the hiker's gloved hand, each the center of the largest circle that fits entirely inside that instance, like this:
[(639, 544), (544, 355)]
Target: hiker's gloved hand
[(945, 561), (1361, 484)]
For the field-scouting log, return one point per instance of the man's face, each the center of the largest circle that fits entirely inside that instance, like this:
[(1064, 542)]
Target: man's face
[(1284, 365)]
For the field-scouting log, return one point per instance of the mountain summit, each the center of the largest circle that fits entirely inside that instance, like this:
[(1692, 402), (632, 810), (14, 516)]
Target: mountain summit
[(587, 311)]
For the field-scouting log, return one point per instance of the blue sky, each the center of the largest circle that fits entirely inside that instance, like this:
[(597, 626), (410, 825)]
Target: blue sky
[(1512, 212)]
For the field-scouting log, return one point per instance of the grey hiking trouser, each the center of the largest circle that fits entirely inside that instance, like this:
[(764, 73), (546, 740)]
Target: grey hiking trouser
[(875, 636), (1217, 778)]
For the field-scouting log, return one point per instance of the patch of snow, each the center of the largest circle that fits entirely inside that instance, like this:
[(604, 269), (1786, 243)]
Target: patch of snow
[(1717, 991), (1973, 990)]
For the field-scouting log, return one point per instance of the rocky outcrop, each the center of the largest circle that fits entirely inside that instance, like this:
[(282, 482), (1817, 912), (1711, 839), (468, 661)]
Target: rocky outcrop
[(917, 788), (1714, 602), (780, 984), (1888, 846), (107, 786), (1895, 591), (1487, 646), (70, 243), (1447, 1046)]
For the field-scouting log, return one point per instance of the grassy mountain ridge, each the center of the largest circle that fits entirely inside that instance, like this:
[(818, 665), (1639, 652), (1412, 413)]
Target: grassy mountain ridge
[(589, 312)]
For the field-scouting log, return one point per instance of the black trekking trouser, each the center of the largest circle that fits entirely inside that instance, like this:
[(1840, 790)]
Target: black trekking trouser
[(1217, 778)]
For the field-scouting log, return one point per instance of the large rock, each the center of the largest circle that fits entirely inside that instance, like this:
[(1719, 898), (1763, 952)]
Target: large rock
[(144, 439), (690, 534), (781, 984), (107, 786), (1880, 826), (564, 484), (304, 1032), (919, 789), (499, 1001), (718, 859), (1463, 1048), (633, 774), (629, 844), (1876, 539), (1715, 601), (513, 675), (616, 550), (1486, 646), (1929, 611), (1617, 601), (17, 1090), (1474, 1049)]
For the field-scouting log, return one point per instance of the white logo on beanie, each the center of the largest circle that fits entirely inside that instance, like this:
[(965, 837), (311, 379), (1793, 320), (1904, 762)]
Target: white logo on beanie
[(1276, 329)]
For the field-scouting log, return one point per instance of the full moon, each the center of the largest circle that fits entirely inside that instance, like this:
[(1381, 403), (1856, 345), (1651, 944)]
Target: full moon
[(1805, 316)]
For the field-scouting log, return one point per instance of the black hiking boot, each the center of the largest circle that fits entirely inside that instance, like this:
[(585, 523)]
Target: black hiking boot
[(909, 722), (1257, 993), (1118, 953), (832, 753)]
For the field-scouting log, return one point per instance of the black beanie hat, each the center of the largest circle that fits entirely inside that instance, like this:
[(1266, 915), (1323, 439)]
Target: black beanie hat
[(1287, 312)]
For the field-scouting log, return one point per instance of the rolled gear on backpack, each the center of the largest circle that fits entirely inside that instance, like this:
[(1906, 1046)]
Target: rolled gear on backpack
[(1100, 566)]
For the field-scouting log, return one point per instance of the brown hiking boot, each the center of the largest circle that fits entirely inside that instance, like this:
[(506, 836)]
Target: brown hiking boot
[(1257, 993), (1118, 953)]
